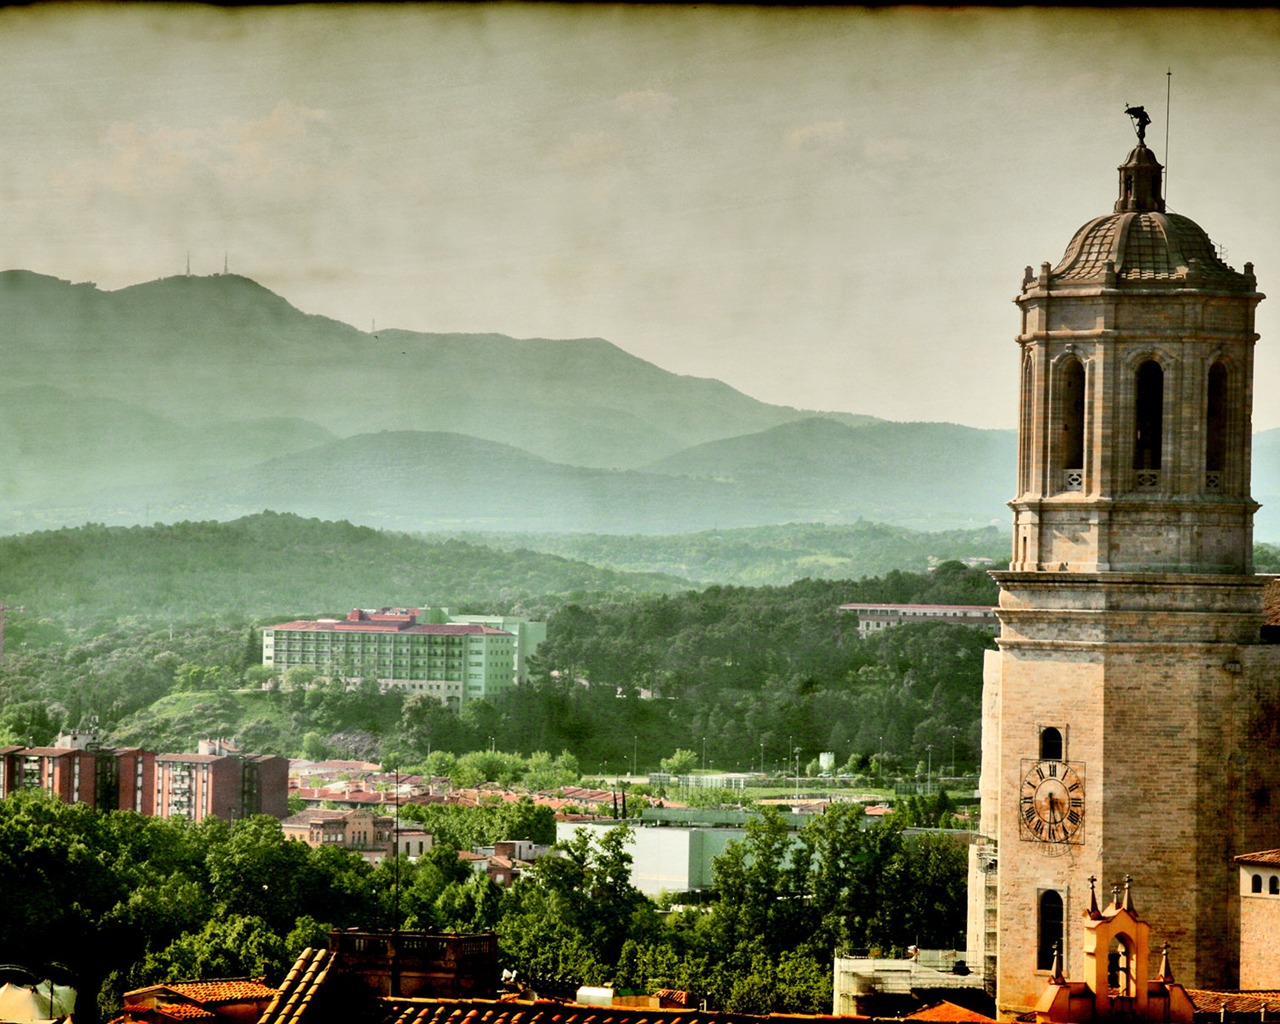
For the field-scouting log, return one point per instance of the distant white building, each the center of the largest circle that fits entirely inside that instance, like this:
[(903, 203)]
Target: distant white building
[(668, 858), (672, 849), (872, 618)]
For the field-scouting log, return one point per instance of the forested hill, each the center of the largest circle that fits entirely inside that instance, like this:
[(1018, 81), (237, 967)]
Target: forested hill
[(767, 555), (270, 564)]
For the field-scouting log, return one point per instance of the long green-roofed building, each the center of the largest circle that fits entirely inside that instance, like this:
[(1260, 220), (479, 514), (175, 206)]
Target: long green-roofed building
[(418, 651)]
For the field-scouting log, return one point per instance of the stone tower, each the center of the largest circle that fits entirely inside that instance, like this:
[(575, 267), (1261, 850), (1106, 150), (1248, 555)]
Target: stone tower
[(1132, 708)]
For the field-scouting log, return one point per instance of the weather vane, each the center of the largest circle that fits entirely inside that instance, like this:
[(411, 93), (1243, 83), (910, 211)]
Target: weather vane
[(1140, 121)]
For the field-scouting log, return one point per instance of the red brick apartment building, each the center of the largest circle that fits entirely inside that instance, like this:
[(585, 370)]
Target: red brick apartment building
[(193, 786)]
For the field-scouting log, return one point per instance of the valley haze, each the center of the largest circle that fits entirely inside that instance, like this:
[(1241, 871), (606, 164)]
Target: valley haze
[(263, 406)]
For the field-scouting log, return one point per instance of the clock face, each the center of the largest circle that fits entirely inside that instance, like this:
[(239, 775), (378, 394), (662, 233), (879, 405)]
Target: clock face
[(1051, 803)]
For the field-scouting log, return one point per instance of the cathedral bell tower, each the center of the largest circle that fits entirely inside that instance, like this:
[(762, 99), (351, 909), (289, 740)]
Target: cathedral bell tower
[(1129, 711), (1137, 358)]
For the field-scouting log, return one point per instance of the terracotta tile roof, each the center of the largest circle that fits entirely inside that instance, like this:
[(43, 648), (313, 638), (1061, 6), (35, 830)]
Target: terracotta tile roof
[(1261, 857), (1233, 1002), (545, 1011), (889, 606), (174, 1011), (1271, 602), (233, 990), (334, 766), (950, 1012), (382, 626), (299, 988), (355, 796)]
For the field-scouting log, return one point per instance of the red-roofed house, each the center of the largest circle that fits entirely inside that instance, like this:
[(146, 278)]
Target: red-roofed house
[(375, 837), (235, 1001)]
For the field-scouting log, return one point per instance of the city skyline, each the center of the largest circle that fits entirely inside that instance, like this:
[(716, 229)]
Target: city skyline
[(828, 208)]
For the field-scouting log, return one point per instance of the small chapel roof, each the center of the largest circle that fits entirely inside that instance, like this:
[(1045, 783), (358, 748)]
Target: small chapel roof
[(1260, 857)]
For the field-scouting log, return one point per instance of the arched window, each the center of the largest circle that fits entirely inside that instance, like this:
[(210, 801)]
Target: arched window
[(1274, 887), (1256, 884), (1072, 381), (1119, 975), (1050, 744), (1148, 416), (1024, 427), (1050, 932), (1215, 428)]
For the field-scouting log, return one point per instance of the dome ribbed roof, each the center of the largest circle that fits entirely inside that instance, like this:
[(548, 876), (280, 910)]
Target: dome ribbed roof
[(1145, 244), (1149, 246)]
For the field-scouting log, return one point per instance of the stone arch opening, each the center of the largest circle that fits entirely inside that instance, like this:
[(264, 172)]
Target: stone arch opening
[(1050, 744), (1119, 967), (1215, 427), (1148, 418), (1049, 937), (1024, 431), (1071, 382)]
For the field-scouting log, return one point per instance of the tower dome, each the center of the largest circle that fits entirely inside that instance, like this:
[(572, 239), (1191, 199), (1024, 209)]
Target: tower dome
[(1139, 243)]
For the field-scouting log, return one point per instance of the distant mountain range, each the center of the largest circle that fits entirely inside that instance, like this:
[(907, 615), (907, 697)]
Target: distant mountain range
[(212, 398)]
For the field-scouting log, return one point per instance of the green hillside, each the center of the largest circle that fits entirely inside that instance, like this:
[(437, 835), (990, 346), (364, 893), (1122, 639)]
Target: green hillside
[(767, 555), (210, 349), (434, 482), (190, 398), (278, 565), (922, 475), (74, 445)]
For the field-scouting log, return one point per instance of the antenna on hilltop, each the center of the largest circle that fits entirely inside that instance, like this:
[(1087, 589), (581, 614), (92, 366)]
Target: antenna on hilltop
[(1168, 92), (188, 263), (224, 262)]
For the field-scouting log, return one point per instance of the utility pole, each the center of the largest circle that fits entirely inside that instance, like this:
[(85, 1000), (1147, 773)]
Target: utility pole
[(928, 772)]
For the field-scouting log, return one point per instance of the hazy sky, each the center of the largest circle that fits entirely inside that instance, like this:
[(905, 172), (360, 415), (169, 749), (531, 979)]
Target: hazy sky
[(829, 208)]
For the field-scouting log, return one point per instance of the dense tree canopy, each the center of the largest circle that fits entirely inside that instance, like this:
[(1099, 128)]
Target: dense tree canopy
[(127, 901)]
